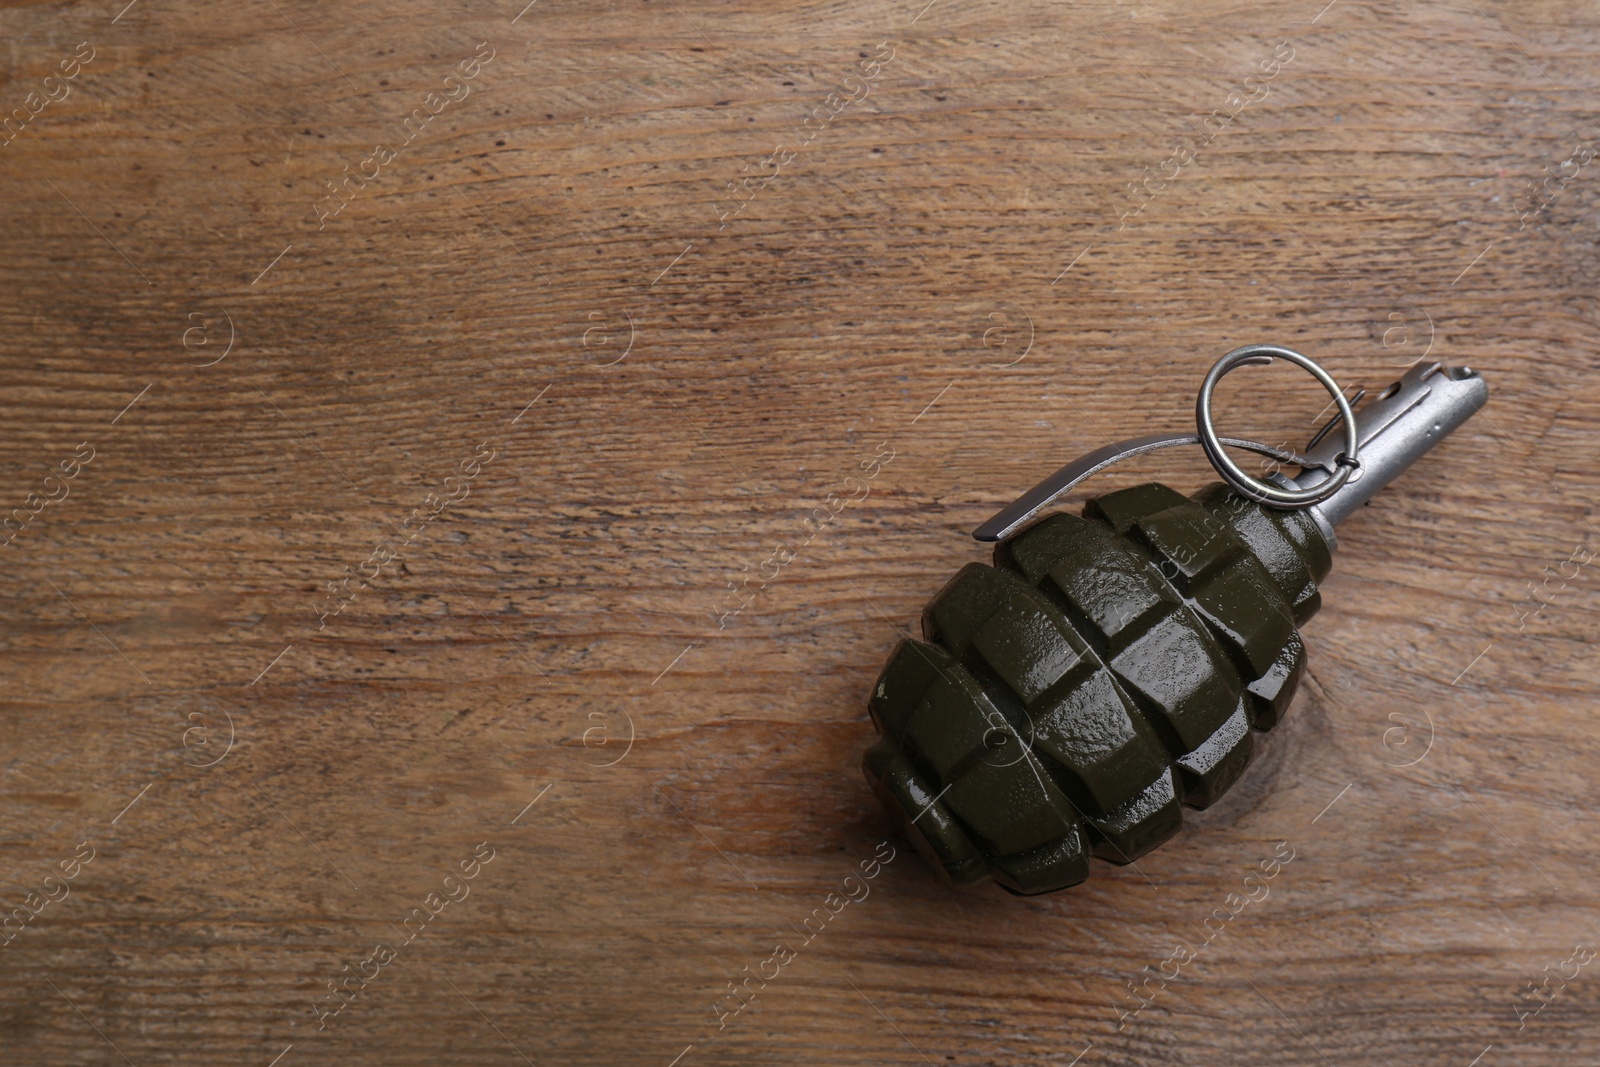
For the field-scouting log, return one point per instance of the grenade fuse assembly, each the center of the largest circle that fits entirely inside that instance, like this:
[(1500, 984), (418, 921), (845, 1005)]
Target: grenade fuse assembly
[(1109, 668)]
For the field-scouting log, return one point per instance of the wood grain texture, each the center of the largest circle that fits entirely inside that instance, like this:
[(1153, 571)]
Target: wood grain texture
[(943, 269)]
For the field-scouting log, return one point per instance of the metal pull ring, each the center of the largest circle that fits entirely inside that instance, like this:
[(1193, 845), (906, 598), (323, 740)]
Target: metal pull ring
[(1009, 519), (1262, 493)]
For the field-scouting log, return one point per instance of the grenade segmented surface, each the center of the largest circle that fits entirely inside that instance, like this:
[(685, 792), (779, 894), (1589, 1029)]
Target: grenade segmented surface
[(1107, 669)]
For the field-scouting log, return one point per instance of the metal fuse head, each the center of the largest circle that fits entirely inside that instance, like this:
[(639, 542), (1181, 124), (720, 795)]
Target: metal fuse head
[(1394, 429)]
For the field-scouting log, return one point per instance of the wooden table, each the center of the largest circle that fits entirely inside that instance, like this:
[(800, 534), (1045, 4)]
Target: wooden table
[(430, 377)]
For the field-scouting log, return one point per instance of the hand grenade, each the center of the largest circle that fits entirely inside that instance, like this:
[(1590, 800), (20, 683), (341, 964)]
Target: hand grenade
[(1110, 668)]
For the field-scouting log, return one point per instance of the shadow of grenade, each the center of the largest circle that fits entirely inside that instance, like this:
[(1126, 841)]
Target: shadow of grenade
[(1110, 668)]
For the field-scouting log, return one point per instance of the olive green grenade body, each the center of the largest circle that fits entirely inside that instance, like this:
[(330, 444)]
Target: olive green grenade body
[(1109, 669), (1104, 671)]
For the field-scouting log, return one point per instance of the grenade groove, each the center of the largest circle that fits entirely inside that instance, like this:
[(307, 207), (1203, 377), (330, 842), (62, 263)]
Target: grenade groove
[(1107, 669)]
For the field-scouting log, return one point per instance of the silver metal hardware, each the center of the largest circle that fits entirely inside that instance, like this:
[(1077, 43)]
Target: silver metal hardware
[(1338, 474)]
